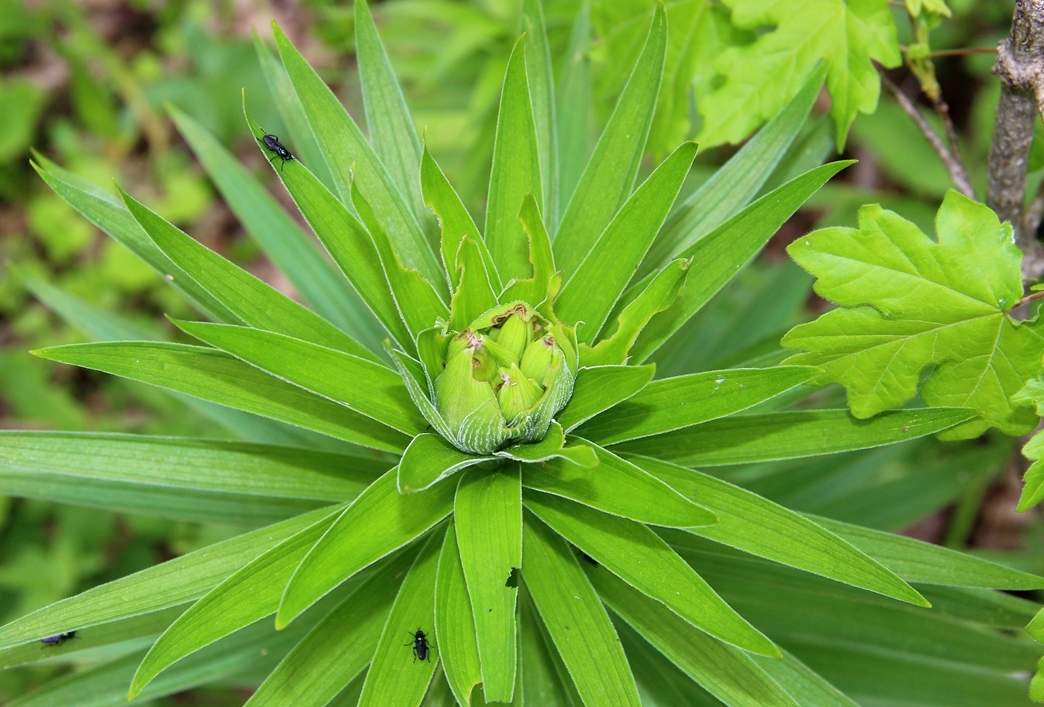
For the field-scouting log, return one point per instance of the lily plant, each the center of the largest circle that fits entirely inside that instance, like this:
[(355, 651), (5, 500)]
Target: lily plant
[(462, 480)]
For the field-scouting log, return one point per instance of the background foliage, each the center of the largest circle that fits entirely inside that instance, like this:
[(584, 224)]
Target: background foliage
[(86, 85)]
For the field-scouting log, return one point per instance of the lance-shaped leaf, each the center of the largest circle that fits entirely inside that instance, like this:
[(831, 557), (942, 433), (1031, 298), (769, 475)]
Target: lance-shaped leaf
[(575, 618), (345, 239), (206, 465), (574, 93), (756, 525), (925, 563), (454, 219), (414, 610), (377, 523), (475, 293), (553, 446), (455, 622), (802, 683), (618, 487), (589, 294), (543, 671), (542, 92), (412, 373), (760, 77), (172, 583), (727, 673), (419, 304), (746, 439), (909, 302), (724, 252), (737, 181), (254, 302), (106, 212), (515, 172), (641, 558), (537, 288), (658, 296), (217, 377), (279, 237), (430, 459), (392, 132), (599, 388), (487, 516), (370, 388), (609, 176), (674, 403), (339, 647), (247, 596), (351, 159)]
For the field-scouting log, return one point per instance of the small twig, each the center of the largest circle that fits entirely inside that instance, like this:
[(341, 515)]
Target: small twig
[(943, 109), (966, 51), (954, 166), (1029, 298)]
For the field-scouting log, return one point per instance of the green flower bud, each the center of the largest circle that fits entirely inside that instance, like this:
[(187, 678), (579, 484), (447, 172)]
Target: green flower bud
[(514, 334), (503, 379), (518, 394)]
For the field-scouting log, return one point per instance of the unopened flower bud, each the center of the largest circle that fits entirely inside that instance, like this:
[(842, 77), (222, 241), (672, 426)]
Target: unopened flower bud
[(514, 334), (537, 358), (518, 394), (459, 394)]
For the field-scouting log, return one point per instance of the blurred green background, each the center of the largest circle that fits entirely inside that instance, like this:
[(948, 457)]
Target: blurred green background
[(87, 83)]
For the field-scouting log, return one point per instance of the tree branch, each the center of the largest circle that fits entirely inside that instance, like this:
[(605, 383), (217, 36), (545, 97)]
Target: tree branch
[(1020, 67), (953, 164)]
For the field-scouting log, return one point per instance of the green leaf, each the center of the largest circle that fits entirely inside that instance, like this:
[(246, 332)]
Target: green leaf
[(802, 683), (278, 236), (762, 76), (540, 73), (543, 672), (589, 294), (537, 288), (791, 435), (339, 647), (725, 251), (170, 462), (391, 127), (360, 384), (414, 610), (673, 403), (618, 487), (756, 525), (454, 219), (734, 184), (290, 110), (430, 459), (575, 618), (909, 302), (474, 294), (347, 241), (553, 446), (251, 300), (217, 377), (639, 557), (172, 583), (351, 159), (654, 299), (515, 173), (918, 561), (418, 302), (600, 388), (455, 622), (378, 522), (729, 674), (610, 173), (1033, 490), (107, 213), (250, 594), (488, 520), (574, 106)]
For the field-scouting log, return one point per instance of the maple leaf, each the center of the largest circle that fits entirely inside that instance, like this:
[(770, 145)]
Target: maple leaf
[(1033, 479), (762, 77), (909, 302)]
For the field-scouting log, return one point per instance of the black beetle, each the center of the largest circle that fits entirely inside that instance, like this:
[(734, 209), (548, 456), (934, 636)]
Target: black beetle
[(420, 645), (271, 143), (58, 639)]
